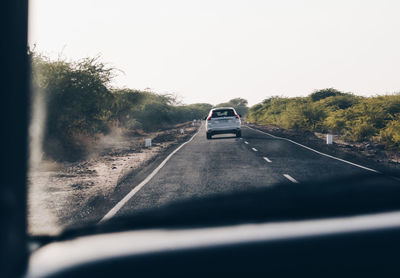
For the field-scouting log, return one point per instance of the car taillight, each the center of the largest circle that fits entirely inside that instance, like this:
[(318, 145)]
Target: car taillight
[(209, 118), (237, 116)]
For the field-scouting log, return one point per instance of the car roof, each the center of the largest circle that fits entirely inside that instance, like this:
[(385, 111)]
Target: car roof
[(222, 108)]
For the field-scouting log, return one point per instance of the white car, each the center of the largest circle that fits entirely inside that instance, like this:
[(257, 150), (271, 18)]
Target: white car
[(223, 120)]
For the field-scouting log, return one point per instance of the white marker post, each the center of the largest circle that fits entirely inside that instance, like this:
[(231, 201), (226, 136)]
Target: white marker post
[(329, 139), (147, 142)]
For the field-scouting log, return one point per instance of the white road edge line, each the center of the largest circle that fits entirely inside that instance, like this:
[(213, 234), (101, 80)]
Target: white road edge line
[(254, 149), (246, 142), (266, 159), (318, 152), (121, 203), (290, 178)]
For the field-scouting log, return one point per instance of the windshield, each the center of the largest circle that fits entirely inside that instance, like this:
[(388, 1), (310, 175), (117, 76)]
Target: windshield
[(121, 91)]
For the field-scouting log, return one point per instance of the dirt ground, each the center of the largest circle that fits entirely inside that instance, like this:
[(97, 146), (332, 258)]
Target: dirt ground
[(369, 154), (56, 187)]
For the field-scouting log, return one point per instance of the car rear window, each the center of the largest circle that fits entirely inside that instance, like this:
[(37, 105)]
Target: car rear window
[(223, 113)]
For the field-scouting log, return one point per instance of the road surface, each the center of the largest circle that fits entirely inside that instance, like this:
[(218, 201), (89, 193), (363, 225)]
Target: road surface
[(204, 167)]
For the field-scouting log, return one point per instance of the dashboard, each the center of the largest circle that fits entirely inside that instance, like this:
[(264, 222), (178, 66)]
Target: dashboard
[(364, 245)]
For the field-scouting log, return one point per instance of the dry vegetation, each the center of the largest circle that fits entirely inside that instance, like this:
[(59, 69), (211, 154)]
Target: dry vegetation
[(79, 106), (353, 118)]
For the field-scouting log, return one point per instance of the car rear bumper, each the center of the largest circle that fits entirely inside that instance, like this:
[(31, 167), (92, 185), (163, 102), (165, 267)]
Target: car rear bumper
[(223, 130)]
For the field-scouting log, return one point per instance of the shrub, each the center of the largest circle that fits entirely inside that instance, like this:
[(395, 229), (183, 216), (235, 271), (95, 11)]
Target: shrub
[(390, 135), (360, 131), (324, 93), (80, 104), (357, 118)]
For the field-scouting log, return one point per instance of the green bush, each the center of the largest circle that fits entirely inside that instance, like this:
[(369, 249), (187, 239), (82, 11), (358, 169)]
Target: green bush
[(80, 104), (360, 131), (390, 135), (328, 110), (324, 93)]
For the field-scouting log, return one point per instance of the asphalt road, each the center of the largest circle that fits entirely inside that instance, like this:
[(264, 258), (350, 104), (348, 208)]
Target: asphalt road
[(204, 167)]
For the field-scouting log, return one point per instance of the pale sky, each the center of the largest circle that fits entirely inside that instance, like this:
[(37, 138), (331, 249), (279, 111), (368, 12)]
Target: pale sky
[(215, 50)]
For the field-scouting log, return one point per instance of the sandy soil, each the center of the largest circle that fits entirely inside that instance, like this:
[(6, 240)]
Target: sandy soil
[(55, 188)]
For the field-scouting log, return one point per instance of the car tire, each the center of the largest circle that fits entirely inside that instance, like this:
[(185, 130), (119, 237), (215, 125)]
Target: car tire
[(208, 136), (239, 134)]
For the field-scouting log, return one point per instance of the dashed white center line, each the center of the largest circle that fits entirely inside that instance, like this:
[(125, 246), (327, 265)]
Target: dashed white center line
[(254, 149), (321, 153), (246, 142), (266, 159), (290, 178)]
